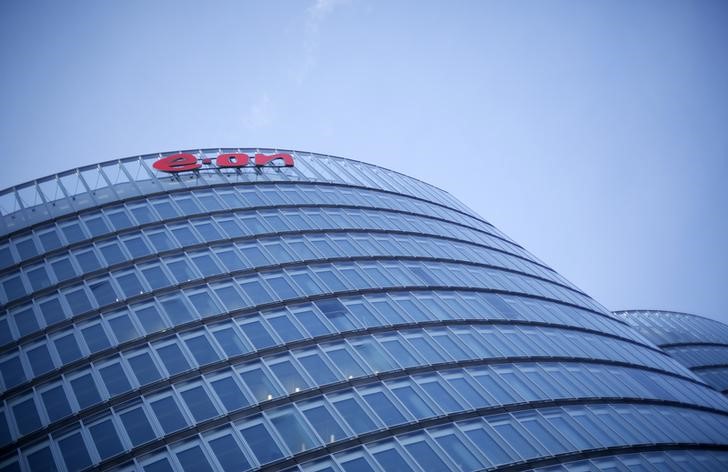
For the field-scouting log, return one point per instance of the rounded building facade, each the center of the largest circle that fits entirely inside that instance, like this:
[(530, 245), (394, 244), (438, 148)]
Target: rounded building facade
[(699, 343), (237, 309)]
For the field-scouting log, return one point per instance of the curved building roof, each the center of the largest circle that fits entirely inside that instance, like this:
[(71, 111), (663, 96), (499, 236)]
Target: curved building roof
[(699, 343)]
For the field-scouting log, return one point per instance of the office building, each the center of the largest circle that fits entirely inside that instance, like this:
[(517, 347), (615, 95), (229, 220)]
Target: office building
[(235, 309)]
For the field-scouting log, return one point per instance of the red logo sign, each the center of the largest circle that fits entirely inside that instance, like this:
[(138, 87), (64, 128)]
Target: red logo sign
[(186, 161)]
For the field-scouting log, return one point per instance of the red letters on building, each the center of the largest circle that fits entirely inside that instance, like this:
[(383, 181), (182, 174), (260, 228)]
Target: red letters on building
[(185, 161), (177, 163)]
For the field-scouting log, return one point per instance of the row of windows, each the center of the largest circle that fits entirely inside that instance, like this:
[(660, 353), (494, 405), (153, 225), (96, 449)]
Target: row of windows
[(699, 461), (122, 217), (138, 244), (356, 356), (207, 262), (465, 445), (697, 356), (284, 325), (669, 327), (343, 414), (267, 288), (92, 258), (492, 442), (474, 445), (119, 180)]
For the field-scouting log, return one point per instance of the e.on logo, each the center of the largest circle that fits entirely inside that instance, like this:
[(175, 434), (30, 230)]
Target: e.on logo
[(186, 161)]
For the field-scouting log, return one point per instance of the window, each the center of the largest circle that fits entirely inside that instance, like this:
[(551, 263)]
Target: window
[(123, 328), (67, 348), (38, 278), (413, 401), (173, 358), (204, 303), (56, 403), (337, 314), (136, 246), (112, 253), (12, 372), (261, 443), (428, 458), (130, 284), (257, 334), (230, 297), (106, 439), (144, 368), (161, 241), (230, 342), (50, 240), (181, 270), (137, 426), (384, 408), (155, 277), (177, 310), (317, 369), (228, 454), (229, 393), (73, 232), (85, 389), (115, 379), (14, 287), (26, 416), (119, 219), (52, 311), (40, 359), (259, 384), (294, 432), (354, 415), (25, 321), (74, 452), (88, 260), (194, 460), (288, 375), (199, 403), (150, 319), (169, 415), (202, 350), (205, 264), (326, 426), (285, 328), (104, 292)]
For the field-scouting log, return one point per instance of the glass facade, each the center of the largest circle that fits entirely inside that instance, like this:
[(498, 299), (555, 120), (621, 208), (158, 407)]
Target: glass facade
[(330, 316), (700, 344)]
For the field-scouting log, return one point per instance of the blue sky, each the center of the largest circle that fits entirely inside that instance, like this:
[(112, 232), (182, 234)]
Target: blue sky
[(593, 133)]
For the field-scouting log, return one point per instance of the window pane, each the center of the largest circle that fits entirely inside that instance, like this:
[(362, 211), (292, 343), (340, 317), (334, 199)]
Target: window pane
[(261, 443), (56, 403), (115, 379), (74, 452), (326, 426), (199, 404), (355, 416), (193, 460), (169, 414), (296, 435), (144, 368), (85, 390), (106, 439), (137, 426), (229, 455), (173, 358), (229, 393), (230, 342), (26, 416)]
